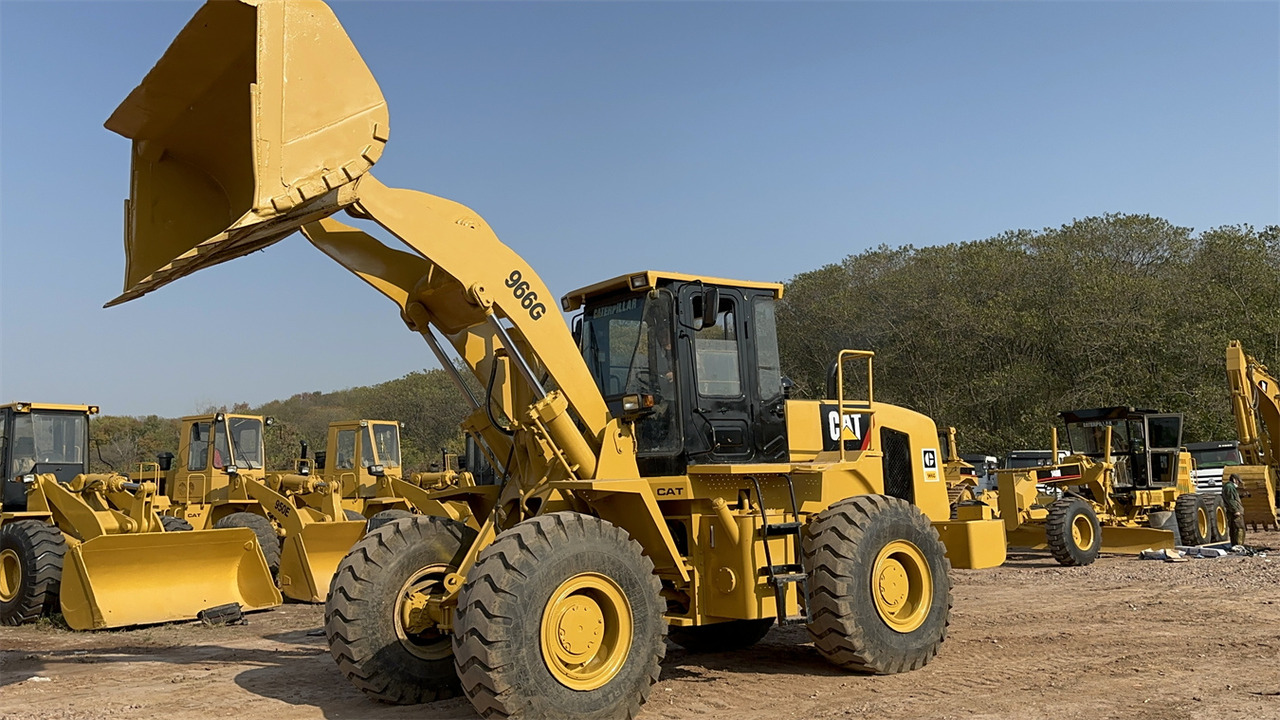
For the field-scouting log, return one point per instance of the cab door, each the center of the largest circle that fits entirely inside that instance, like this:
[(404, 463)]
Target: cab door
[(717, 395)]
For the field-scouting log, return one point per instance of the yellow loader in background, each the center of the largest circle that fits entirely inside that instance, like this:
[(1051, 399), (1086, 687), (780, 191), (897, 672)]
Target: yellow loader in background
[(217, 480), (1125, 487), (1255, 405), (362, 459), (93, 547), (653, 474)]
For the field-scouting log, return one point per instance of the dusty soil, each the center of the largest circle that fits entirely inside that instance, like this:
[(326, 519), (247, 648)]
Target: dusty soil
[(1123, 638)]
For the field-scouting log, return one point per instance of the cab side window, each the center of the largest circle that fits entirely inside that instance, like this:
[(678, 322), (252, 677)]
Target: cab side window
[(715, 351), (198, 447), (346, 459)]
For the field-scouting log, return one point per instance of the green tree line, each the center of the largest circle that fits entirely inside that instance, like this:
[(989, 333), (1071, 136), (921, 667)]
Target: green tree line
[(994, 337)]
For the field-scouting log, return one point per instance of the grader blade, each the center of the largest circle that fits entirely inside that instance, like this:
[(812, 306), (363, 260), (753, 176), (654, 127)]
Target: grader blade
[(143, 578), (1133, 540), (256, 120), (309, 559)]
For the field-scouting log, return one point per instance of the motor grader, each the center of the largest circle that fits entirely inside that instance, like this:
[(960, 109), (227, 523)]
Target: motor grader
[(1125, 486), (362, 460), (92, 546), (217, 480), (1255, 405), (653, 474)]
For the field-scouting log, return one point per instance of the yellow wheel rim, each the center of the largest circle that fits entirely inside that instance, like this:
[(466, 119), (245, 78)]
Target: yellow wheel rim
[(1202, 522), (431, 644), (10, 575), (1220, 520), (1082, 532), (902, 586), (586, 631)]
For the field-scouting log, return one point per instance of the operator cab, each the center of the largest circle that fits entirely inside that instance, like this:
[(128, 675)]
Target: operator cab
[(1145, 444), (214, 446), (700, 354), (40, 438)]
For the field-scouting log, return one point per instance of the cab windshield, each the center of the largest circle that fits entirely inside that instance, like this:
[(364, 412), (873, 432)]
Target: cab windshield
[(1222, 457), (246, 441), (386, 441), (47, 438), (627, 343), (1089, 437)]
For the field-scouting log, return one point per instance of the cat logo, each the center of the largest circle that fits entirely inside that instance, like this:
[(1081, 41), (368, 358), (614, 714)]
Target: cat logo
[(853, 428), (670, 491), (929, 456)]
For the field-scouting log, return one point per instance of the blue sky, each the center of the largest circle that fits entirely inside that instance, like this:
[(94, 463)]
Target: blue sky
[(750, 140)]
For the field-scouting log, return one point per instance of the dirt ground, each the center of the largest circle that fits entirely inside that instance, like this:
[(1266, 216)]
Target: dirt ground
[(1123, 638)]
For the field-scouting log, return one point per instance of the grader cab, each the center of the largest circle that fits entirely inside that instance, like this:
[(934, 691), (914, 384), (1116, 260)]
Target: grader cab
[(652, 473), (92, 545)]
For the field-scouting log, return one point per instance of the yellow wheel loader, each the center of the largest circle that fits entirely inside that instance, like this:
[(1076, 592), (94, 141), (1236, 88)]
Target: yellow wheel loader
[(653, 475), (1255, 405), (92, 546), (1124, 487), (217, 480), (362, 459)]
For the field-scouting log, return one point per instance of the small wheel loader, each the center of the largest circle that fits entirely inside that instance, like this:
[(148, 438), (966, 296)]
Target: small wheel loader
[(217, 480), (93, 547), (1124, 487), (362, 459), (654, 479)]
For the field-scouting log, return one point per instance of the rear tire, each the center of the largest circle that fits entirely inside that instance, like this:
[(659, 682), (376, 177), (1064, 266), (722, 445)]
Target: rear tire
[(1219, 523), (1193, 520), (561, 617), (31, 557), (174, 524), (1073, 532), (379, 519), (722, 636), (879, 584), (265, 531), (362, 613)]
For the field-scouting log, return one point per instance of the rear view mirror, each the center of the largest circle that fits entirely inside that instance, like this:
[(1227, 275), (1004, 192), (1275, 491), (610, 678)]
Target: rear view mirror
[(710, 306)]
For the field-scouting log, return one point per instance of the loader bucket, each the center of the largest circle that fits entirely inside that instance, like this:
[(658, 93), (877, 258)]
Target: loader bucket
[(309, 559), (251, 123), (142, 578)]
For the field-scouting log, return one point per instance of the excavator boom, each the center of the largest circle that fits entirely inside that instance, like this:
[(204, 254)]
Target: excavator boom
[(1255, 405)]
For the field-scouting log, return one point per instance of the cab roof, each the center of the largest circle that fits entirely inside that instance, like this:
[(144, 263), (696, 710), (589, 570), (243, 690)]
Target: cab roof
[(647, 279), (1108, 413), (28, 407)]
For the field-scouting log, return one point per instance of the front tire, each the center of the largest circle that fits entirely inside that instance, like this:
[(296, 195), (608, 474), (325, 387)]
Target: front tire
[(561, 617), (363, 614), (174, 524), (879, 584), (379, 519), (31, 557), (1073, 532), (1194, 524), (265, 531)]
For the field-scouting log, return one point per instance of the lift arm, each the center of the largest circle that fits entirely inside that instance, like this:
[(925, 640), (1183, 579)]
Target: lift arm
[(1255, 404)]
